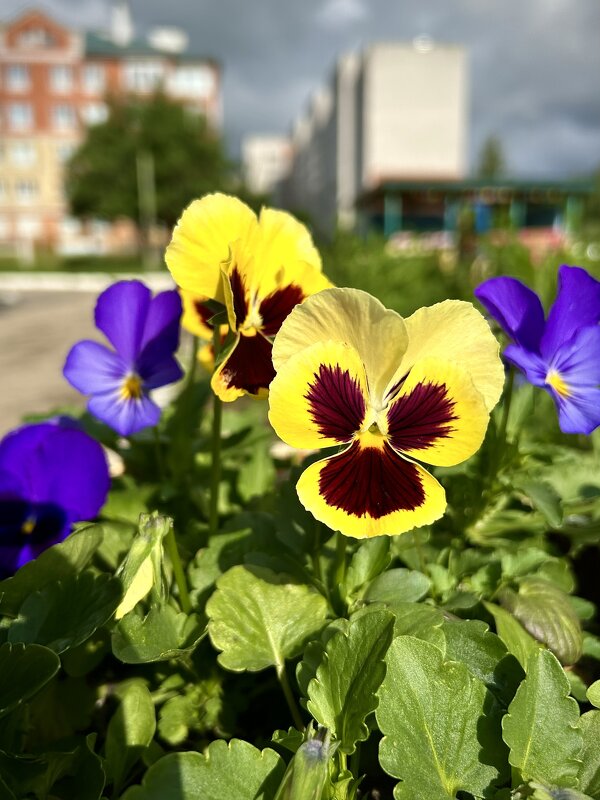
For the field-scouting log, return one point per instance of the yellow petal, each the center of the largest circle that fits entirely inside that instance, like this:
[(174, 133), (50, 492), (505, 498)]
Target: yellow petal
[(194, 318), (437, 416), (139, 588), (352, 317), (370, 491), (202, 242), (318, 398), (455, 331)]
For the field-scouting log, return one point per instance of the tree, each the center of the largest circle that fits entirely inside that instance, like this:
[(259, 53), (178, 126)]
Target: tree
[(491, 159), (185, 157)]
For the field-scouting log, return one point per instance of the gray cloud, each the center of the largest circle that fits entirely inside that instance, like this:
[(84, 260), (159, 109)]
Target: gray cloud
[(534, 64)]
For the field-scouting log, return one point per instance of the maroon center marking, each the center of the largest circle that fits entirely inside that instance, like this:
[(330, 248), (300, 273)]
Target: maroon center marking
[(240, 304), (277, 306), (249, 365), (204, 313), (336, 403), (418, 419), (370, 481)]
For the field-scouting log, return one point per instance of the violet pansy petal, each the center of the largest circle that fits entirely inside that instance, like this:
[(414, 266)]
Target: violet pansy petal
[(91, 367), (17, 449), (11, 486), (125, 416), (69, 470), (160, 374), (578, 359), (163, 320), (577, 305), (121, 313), (580, 412), (515, 307), (530, 363)]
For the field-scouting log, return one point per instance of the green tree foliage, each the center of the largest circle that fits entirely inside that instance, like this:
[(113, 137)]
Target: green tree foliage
[(491, 159), (187, 156)]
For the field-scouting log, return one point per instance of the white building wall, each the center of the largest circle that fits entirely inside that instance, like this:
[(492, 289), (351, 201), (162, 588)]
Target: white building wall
[(265, 162)]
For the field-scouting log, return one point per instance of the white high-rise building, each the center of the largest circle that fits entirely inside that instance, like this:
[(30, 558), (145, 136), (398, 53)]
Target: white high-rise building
[(265, 162)]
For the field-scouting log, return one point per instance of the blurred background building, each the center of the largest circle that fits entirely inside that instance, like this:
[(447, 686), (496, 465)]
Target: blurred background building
[(266, 161), (54, 84)]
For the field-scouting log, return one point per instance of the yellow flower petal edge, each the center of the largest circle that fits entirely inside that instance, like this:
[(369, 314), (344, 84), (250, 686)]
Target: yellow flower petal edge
[(318, 398), (437, 397), (455, 331), (194, 318), (202, 242), (365, 525), (350, 316)]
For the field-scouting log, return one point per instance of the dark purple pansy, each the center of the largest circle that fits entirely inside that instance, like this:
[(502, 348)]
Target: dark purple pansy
[(50, 477), (144, 332), (560, 354)]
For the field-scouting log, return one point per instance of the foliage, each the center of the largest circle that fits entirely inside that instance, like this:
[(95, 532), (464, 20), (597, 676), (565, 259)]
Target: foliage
[(491, 162)]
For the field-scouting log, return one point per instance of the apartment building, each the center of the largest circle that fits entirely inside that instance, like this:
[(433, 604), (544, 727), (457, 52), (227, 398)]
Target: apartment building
[(54, 82), (396, 111)]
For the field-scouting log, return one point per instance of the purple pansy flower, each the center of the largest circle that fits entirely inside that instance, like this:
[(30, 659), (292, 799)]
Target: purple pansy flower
[(561, 354), (145, 333), (50, 477)]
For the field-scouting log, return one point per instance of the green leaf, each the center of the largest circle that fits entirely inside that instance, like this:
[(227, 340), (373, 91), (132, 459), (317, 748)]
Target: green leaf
[(420, 620), (541, 725), (24, 669), (234, 770), (589, 774), (130, 730), (438, 735), (546, 612), (162, 634), (371, 558), (257, 475), (485, 655), (593, 693), (398, 586), (66, 613), (308, 771), (258, 619), (343, 692), (513, 634), (554, 793), (544, 498), (59, 561)]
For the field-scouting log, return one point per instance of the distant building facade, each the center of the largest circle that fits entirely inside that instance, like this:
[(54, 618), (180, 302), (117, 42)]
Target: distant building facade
[(54, 82), (266, 161), (393, 112)]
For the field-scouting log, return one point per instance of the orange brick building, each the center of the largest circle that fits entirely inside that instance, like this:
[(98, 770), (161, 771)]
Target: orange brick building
[(53, 84)]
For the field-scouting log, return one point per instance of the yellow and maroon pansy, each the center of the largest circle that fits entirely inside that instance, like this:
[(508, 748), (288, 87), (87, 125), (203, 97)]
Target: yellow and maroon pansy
[(260, 268), (353, 374)]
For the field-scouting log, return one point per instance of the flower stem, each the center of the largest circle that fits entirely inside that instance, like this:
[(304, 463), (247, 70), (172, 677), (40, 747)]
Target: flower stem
[(506, 409), (160, 463), (215, 450), (191, 376), (289, 696), (340, 558), (178, 572)]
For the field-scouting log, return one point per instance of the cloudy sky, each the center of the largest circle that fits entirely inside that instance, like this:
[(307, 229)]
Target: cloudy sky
[(534, 64)]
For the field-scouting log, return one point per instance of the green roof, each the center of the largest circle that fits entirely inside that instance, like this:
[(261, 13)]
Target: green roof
[(583, 186), (102, 46)]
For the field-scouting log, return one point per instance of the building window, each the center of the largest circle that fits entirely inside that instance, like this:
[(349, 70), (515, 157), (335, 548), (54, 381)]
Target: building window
[(17, 78), (63, 118), (143, 76), (20, 116), (192, 81), (61, 79), (93, 79), (23, 153), (26, 191), (94, 113), (36, 37), (65, 150)]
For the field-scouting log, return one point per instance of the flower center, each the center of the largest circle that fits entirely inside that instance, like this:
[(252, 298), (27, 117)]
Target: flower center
[(131, 388), (253, 322), (555, 380), (372, 437)]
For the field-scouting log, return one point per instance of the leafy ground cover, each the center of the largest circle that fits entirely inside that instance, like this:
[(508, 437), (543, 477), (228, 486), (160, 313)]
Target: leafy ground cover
[(208, 636)]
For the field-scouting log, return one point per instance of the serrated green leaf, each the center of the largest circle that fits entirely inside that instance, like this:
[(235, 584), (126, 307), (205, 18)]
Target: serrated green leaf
[(546, 613), (24, 669), (398, 586), (420, 620), (593, 693), (541, 725), (589, 774), (371, 558), (342, 694), (485, 655), (513, 634), (62, 560), (129, 731), (162, 634), (258, 619), (66, 613), (236, 771), (438, 736)]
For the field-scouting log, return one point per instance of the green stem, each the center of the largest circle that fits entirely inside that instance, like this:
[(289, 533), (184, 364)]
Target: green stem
[(160, 463), (506, 409), (178, 572), (316, 556), (340, 558), (215, 450), (289, 696), (191, 376)]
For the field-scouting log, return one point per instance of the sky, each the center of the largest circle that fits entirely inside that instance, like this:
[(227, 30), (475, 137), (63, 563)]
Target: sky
[(534, 65)]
